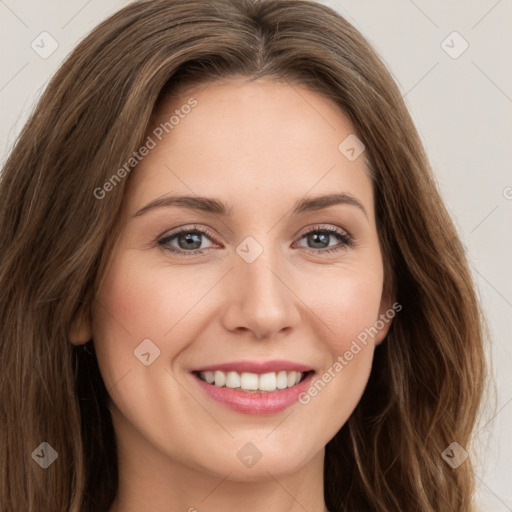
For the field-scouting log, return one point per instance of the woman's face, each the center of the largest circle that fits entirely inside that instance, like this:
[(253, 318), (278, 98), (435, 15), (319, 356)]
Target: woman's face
[(265, 287)]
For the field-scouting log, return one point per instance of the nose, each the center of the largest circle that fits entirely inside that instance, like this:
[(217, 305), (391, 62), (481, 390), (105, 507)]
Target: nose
[(260, 297)]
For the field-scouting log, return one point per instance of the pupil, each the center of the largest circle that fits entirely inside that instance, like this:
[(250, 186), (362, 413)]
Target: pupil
[(321, 238), (189, 237)]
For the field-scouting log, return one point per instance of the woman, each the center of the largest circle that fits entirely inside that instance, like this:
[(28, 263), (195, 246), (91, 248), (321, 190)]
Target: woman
[(322, 351)]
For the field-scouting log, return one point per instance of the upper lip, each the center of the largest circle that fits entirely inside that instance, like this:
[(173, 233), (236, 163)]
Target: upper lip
[(256, 367)]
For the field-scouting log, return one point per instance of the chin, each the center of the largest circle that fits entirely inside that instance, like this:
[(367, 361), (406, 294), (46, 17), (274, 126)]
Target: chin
[(249, 464)]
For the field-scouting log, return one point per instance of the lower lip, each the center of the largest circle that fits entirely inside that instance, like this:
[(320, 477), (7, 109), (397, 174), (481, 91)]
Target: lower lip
[(260, 404)]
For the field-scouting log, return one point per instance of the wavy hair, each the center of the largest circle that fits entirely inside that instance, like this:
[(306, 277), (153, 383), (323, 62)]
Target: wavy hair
[(427, 379)]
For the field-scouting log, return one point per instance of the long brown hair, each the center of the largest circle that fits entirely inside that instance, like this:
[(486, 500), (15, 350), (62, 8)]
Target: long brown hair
[(427, 378)]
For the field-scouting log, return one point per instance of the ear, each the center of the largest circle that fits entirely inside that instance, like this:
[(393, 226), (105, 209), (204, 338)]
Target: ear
[(80, 331), (387, 311)]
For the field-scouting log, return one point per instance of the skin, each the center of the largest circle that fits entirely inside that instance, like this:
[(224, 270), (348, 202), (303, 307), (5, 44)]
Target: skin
[(259, 147)]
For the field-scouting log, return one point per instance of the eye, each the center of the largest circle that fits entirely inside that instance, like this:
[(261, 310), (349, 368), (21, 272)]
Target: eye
[(319, 237), (188, 241)]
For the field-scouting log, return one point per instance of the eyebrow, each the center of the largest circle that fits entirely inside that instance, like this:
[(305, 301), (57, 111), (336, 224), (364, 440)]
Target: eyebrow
[(217, 207)]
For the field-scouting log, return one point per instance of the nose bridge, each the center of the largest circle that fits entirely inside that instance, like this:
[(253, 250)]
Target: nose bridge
[(263, 301)]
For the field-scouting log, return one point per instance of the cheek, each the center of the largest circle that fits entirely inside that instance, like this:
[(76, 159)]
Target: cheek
[(337, 388), (347, 309), (349, 341), (134, 305), (346, 305)]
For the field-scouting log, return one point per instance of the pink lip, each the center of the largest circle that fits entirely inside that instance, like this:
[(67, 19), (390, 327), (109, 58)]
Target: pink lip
[(260, 404), (256, 367)]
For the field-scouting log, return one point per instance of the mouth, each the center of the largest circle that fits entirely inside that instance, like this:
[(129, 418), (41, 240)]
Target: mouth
[(254, 388), (249, 382)]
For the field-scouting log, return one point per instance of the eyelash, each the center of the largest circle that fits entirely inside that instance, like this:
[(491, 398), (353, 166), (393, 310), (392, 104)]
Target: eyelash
[(346, 240)]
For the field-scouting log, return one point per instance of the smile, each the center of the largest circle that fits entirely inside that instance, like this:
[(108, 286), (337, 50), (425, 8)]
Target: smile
[(254, 388)]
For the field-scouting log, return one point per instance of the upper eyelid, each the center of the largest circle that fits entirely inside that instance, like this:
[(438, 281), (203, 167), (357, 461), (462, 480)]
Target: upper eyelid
[(186, 229)]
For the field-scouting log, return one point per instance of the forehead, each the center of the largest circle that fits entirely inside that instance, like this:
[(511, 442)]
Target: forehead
[(253, 144)]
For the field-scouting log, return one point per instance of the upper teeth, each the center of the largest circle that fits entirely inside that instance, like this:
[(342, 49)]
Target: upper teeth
[(252, 381)]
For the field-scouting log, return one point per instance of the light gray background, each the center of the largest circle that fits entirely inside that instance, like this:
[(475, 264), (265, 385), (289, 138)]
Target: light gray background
[(461, 106)]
